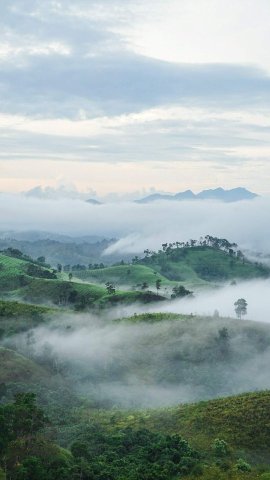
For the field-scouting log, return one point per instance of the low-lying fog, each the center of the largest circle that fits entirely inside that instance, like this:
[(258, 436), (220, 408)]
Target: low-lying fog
[(256, 293), (143, 226), (163, 363)]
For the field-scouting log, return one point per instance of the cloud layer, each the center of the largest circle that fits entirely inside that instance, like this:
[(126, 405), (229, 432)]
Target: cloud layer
[(84, 83), (142, 226)]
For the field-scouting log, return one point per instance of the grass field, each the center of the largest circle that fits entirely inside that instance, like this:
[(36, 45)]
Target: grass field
[(195, 268), (130, 275)]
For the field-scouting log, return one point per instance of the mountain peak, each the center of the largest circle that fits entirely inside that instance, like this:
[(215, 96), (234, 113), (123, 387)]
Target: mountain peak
[(232, 195)]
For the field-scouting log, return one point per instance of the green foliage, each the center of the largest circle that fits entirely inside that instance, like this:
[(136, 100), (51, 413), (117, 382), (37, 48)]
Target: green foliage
[(154, 317), (36, 271), (242, 466), (179, 291), (15, 309), (25, 452), (240, 307), (129, 454), (18, 317), (220, 448)]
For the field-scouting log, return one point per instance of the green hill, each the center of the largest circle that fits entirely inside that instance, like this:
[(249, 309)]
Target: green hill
[(195, 264), (16, 272), (18, 317), (32, 282), (123, 275), (17, 368), (195, 267), (242, 421), (80, 295)]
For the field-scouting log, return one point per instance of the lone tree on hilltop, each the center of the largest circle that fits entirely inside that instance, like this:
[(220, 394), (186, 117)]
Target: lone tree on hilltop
[(240, 307)]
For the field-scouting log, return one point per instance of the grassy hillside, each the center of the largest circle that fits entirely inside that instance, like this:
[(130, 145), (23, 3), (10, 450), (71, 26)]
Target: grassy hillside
[(12, 272), (17, 272), (195, 267), (17, 368), (203, 263), (80, 295), (131, 275), (34, 283), (18, 317), (241, 421)]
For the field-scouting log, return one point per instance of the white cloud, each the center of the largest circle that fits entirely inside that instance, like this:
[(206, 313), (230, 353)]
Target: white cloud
[(203, 31), (83, 127), (8, 50)]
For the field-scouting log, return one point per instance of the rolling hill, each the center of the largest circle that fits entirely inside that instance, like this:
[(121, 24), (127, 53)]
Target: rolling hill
[(32, 282), (195, 267)]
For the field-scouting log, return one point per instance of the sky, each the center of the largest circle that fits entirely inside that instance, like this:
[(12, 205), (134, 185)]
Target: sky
[(134, 96)]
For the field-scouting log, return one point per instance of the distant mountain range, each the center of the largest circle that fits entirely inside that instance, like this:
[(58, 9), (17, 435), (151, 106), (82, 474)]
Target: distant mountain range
[(233, 195)]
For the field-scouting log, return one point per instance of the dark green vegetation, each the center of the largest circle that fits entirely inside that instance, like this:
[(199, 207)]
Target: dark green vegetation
[(25, 453), (226, 439)]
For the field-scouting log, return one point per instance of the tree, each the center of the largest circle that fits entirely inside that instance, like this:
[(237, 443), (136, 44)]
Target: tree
[(70, 276), (179, 291), (158, 284), (240, 307), (144, 286), (220, 448), (110, 288), (41, 259)]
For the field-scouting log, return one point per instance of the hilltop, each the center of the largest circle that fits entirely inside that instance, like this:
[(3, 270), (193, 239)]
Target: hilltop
[(195, 264)]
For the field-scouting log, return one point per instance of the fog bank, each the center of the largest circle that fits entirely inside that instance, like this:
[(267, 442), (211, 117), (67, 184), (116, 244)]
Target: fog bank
[(142, 226)]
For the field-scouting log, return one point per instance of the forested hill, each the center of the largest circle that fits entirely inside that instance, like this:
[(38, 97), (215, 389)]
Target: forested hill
[(193, 264), (210, 259)]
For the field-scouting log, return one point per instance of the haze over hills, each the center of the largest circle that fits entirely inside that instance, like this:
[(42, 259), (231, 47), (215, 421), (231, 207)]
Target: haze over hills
[(89, 349), (232, 195)]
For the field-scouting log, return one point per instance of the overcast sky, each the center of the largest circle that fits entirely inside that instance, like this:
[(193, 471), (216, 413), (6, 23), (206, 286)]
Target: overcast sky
[(122, 95)]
